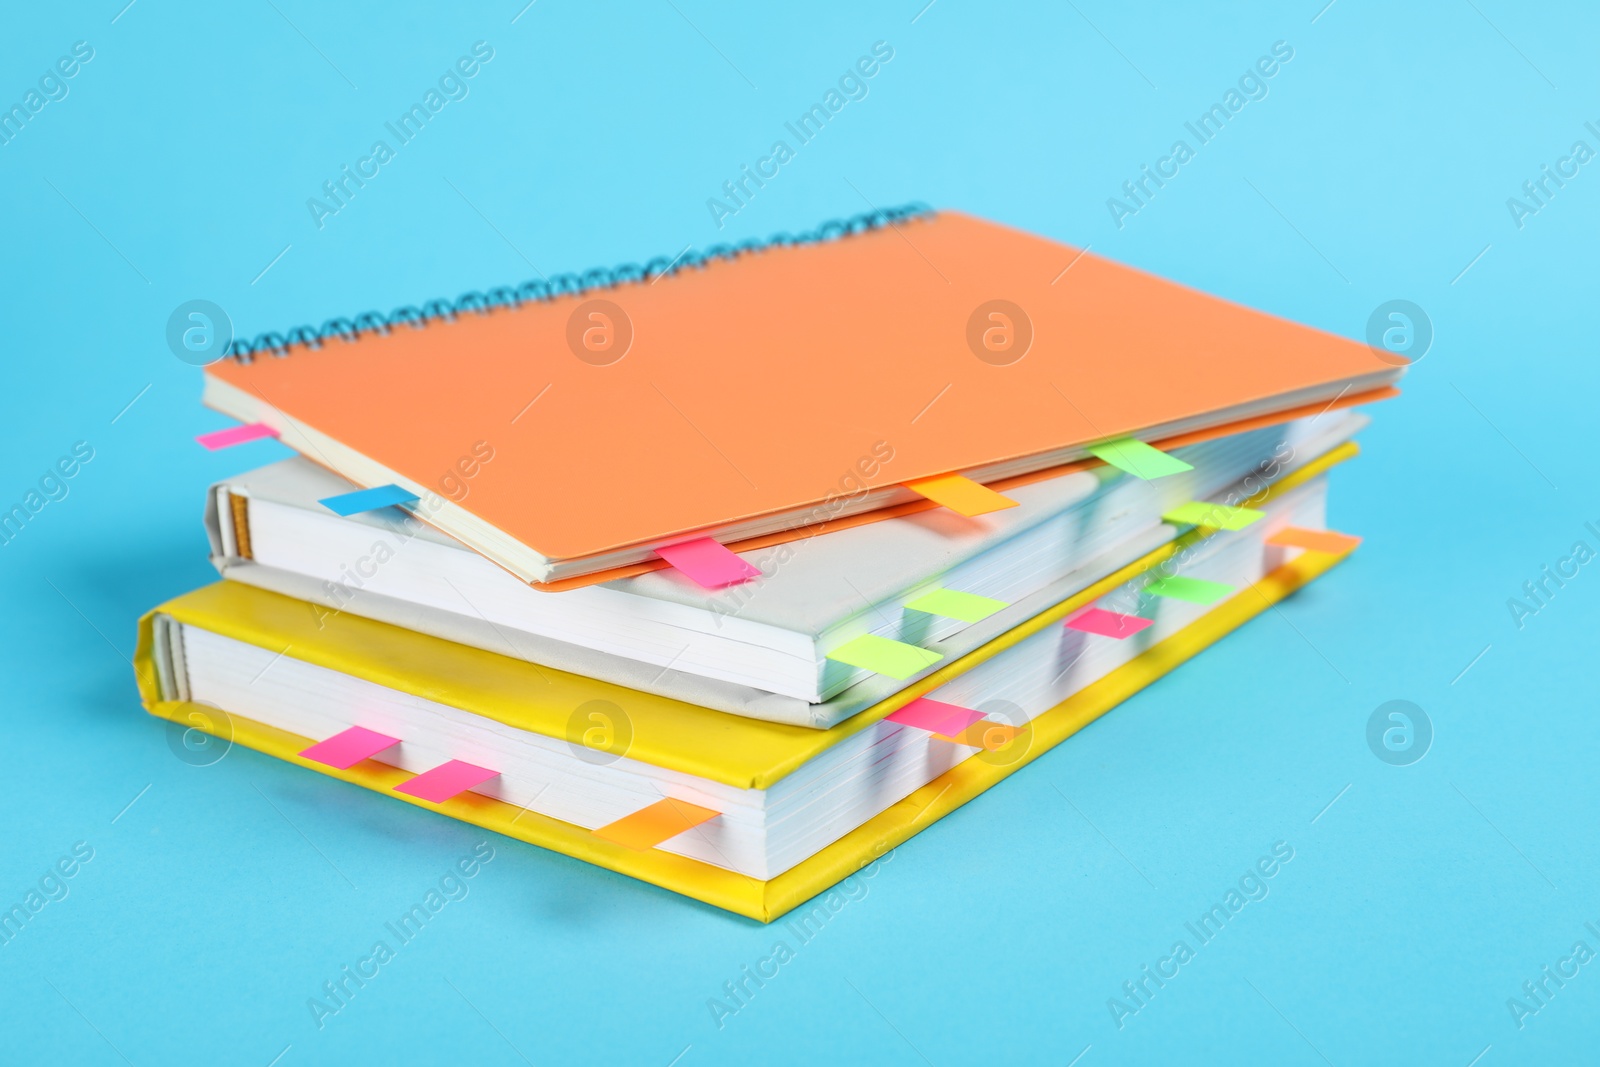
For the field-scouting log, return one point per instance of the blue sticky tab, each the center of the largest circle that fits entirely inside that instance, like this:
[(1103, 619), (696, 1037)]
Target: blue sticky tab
[(367, 499)]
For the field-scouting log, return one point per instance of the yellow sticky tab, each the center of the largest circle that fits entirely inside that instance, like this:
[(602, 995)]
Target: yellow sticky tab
[(648, 827), (1335, 544), (960, 494), (968, 607)]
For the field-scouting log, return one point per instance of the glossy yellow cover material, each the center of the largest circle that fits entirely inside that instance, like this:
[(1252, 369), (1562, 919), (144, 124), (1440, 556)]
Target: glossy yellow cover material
[(747, 753)]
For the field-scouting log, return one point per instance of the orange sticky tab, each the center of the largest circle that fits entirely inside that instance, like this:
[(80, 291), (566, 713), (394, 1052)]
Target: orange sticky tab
[(985, 733), (960, 494), (1334, 544), (648, 827)]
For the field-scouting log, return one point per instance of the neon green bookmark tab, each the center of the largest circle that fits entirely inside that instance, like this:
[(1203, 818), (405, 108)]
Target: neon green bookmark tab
[(1220, 516), (1138, 459), (1194, 590), (883, 656), (968, 607)]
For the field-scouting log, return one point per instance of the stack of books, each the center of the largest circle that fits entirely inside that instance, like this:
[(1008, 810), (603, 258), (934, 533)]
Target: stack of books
[(731, 573)]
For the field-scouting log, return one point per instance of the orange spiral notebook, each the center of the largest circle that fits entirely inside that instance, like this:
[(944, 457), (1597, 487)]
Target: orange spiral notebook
[(751, 397)]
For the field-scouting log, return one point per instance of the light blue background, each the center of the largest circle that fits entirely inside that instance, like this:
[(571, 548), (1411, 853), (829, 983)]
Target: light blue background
[(1377, 168)]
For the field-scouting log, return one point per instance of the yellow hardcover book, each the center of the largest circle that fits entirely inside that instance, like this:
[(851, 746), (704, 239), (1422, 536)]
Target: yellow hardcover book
[(751, 816)]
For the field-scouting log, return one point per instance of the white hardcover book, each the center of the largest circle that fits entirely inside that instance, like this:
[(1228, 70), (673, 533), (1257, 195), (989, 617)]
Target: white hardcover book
[(759, 649)]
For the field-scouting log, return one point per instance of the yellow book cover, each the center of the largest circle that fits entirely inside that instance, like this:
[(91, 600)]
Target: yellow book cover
[(731, 750)]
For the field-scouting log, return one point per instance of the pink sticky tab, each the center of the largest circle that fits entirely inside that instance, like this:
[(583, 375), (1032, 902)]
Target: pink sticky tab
[(445, 781), (935, 716), (707, 563), (1107, 623), (237, 435), (345, 750)]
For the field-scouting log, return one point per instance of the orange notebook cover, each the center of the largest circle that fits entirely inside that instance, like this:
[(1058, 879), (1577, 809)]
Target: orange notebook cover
[(752, 397)]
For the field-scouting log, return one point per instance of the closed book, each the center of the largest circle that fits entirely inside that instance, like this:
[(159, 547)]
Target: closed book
[(573, 435)]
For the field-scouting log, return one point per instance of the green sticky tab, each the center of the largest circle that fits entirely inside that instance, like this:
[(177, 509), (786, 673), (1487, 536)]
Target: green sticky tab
[(1194, 590), (968, 607), (883, 656), (1221, 516), (1139, 459)]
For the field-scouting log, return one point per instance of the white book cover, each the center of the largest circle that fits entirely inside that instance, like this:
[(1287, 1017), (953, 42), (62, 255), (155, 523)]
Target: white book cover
[(760, 648)]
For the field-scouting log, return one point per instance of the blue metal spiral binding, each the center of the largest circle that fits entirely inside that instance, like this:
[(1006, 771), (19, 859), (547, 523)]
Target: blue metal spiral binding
[(474, 302)]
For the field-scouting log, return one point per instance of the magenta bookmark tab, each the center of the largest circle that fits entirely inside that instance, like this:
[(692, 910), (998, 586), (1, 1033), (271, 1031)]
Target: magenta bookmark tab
[(345, 750), (445, 781), (237, 435), (935, 716), (707, 563), (1107, 623)]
